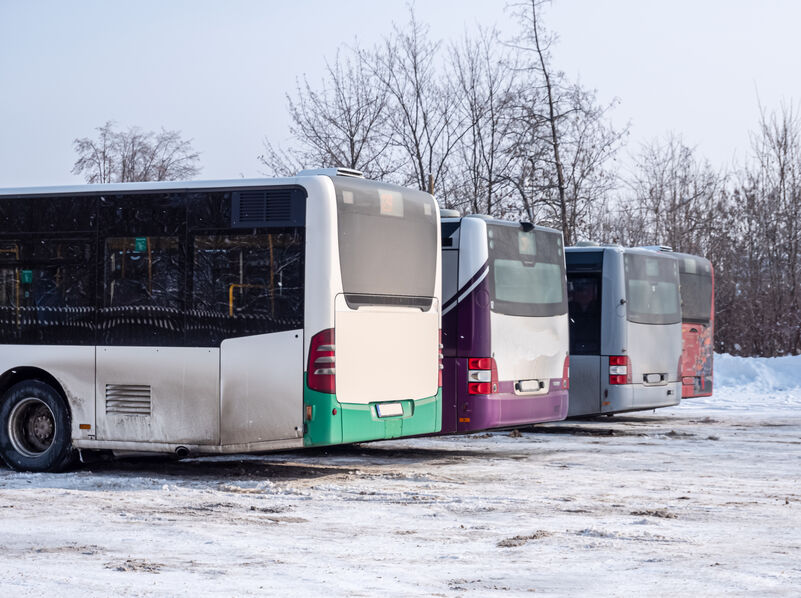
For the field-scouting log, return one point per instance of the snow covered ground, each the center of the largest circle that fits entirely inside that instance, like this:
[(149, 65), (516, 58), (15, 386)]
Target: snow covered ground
[(701, 499)]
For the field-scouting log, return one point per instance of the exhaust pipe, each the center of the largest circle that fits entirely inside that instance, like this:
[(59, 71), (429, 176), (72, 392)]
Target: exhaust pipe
[(182, 452)]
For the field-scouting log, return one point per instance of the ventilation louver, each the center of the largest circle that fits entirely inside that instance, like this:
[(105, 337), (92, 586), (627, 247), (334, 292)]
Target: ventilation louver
[(128, 399), (268, 208)]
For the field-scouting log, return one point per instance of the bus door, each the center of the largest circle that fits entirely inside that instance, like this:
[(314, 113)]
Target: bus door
[(584, 309)]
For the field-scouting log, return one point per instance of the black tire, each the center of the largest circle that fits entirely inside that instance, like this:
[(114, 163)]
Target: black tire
[(35, 430)]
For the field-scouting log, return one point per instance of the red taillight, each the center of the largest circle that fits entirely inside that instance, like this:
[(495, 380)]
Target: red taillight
[(482, 376), (441, 357), (619, 369), (321, 370), (566, 373)]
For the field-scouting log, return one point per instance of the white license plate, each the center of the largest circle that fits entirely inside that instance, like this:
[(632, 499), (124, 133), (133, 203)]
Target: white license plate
[(653, 378), (529, 385), (389, 409)]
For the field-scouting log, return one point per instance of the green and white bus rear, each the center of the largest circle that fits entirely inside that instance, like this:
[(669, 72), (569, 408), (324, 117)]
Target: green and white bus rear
[(216, 317)]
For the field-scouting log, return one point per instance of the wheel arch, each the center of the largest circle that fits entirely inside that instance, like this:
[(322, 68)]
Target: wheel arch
[(16, 375)]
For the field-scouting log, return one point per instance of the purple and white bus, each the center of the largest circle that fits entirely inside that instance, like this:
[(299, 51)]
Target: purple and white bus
[(504, 324)]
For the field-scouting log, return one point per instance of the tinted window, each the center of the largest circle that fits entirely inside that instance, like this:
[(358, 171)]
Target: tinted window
[(209, 209), (584, 303), (527, 271), (387, 239), (652, 289), (143, 298), (48, 214), (245, 284), (143, 240), (47, 291), (696, 289)]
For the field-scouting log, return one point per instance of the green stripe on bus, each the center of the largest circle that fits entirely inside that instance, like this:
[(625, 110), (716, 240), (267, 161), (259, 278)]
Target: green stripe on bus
[(360, 423)]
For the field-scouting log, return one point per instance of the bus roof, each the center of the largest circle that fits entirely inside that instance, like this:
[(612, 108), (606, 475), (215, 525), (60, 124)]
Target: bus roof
[(493, 220), (160, 186)]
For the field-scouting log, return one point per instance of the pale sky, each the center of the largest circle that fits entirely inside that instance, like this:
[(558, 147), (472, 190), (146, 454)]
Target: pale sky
[(219, 71)]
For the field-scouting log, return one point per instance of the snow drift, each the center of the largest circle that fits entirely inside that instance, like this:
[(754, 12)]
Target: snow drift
[(750, 383)]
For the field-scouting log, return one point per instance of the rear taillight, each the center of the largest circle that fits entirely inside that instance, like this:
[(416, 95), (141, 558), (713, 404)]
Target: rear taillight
[(322, 362), (482, 376), (619, 369), (441, 357), (566, 373)]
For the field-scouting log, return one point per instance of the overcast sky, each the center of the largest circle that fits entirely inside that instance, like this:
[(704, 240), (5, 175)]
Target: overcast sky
[(219, 71)]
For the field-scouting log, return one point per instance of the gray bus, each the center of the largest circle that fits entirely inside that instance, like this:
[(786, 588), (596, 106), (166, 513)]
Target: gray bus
[(625, 330)]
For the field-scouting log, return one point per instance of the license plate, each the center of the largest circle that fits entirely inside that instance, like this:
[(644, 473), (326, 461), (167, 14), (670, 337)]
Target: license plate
[(529, 385), (389, 409), (653, 378)]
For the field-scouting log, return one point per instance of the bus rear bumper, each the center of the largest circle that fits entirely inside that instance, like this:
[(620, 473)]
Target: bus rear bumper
[(637, 397), (484, 412), (333, 422)]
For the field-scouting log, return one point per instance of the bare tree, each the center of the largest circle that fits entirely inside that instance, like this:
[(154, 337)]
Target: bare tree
[(424, 123), (134, 155), (486, 77), (564, 140), (772, 211), (342, 124), (673, 196)]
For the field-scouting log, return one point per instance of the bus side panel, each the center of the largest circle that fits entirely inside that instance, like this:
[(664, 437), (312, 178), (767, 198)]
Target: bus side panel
[(585, 385), (72, 366), (158, 394), (261, 388)]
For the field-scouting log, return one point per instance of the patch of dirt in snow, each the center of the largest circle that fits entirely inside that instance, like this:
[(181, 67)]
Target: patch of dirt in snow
[(135, 566), (662, 513), (584, 431), (520, 540), (70, 548)]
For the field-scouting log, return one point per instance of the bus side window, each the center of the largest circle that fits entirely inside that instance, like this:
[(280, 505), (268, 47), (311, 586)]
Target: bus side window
[(46, 294), (142, 291), (246, 284)]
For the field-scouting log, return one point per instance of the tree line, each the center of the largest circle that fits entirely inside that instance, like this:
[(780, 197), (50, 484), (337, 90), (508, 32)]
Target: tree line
[(488, 125)]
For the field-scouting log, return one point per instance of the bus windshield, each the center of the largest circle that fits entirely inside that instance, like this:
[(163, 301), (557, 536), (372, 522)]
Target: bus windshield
[(696, 290), (387, 239), (527, 271), (652, 290)]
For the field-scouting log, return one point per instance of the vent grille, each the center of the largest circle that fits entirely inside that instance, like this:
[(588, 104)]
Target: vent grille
[(270, 207), (128, 399)]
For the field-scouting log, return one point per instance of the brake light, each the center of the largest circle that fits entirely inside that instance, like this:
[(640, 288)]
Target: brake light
[(482, 376), (321, 370), (619, 369), (566, 373)]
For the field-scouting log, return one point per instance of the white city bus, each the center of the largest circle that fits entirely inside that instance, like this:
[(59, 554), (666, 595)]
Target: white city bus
[(216, 317)]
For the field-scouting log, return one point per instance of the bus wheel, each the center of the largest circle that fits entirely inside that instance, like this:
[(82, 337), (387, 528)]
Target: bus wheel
[(35, 430)]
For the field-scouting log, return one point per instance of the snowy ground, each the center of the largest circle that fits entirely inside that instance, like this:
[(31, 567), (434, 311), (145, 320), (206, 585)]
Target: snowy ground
[(702, 499)]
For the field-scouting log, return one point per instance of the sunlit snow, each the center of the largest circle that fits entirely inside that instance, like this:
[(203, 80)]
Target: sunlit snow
[(700, 499)]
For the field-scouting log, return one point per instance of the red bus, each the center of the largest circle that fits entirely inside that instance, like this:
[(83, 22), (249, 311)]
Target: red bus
[(697, 281)]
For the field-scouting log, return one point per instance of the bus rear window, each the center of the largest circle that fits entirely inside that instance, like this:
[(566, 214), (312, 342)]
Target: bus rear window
[(696, 290), (527, 271), (652, 289), (387, 239)]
